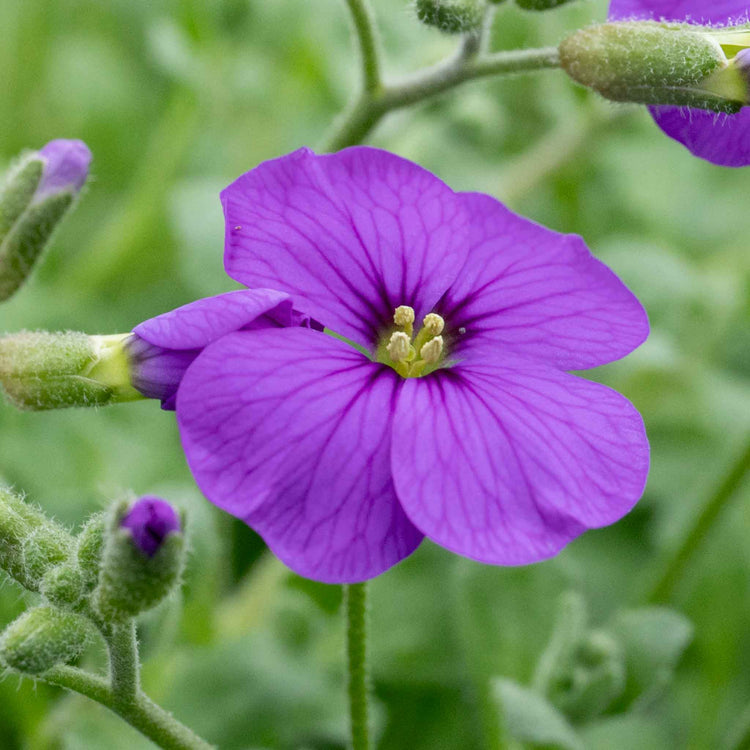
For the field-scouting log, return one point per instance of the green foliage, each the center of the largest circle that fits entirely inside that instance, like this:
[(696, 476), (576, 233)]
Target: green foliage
[(531, 719)]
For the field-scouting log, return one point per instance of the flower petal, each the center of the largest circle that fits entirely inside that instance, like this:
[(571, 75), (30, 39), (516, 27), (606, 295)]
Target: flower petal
[(538, 293), (197, 324), (691, 11), (350, 235), (507, 462), (720, 139), (289, 430)]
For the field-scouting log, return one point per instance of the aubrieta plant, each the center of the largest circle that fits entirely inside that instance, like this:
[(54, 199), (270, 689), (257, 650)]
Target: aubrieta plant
[(398, 366)]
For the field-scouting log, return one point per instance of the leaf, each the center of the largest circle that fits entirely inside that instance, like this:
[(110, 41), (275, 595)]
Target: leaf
[(654, 639), (530, 718)]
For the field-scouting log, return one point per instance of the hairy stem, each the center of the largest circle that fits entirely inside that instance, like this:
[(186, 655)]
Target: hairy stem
[(371, 107), (140, 712), (700, 527), (124, 667), (367, 38), (356, 648)]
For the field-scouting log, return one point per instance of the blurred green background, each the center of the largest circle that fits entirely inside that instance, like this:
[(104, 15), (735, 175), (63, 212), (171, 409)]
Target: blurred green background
[(177, 98)]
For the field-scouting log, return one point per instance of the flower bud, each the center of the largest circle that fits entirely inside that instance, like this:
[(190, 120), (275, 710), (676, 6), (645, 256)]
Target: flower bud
[(537, 5), (42, 638), (64, 586), (40, 370), (34, 199), (30, 543), (655, 63), (142, 559), (597, 678), (150, 521), (451, 16)]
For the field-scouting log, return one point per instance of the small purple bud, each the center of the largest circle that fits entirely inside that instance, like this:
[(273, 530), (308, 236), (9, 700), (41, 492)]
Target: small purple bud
[(150, 520), (66, 167)]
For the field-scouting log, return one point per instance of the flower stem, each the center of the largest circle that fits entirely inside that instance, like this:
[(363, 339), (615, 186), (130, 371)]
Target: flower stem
[(371, 106), (124, 667), (141, 712), (723, 493), (356, 647), (364, 29)]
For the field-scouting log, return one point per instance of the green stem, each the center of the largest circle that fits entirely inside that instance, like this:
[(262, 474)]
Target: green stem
[(371, 107), (356, 648), (141, 712), (124, 667), (702, 524), (364, 28)]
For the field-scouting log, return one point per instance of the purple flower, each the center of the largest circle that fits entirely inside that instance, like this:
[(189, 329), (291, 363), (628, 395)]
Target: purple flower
[(335, 449), (161, 349), (720, 139), (150, 520), (66, 167)]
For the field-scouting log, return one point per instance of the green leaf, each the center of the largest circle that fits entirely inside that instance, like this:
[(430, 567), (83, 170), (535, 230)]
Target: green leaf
[(654, 639), (530, 718)]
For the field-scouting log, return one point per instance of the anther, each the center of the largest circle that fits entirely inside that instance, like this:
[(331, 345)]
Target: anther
[(432, 350), (399, 346), (434, 324), (403, 315)]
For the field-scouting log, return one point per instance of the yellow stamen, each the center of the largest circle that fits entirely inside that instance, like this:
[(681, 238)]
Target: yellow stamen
[(404, 318), (399, 347), (434, 324), (432, 350)]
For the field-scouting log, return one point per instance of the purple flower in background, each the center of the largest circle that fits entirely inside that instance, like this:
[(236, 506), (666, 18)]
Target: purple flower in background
[(150, 520), (442, 406), (720, 139), (66, 167), (161, 349)]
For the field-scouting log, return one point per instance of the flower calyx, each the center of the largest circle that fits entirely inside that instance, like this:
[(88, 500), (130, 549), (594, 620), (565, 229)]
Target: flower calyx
[(650, 62)]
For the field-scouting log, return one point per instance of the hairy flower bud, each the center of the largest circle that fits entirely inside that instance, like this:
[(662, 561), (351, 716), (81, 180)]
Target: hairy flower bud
[(30, 543), (42, 638), (142, 559), (150, 521), (451, 16), (40, 370), (35, 197), (655, 63)]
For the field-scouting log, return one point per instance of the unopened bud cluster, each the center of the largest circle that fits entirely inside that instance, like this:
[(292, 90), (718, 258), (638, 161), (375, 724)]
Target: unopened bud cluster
[(122, 563)]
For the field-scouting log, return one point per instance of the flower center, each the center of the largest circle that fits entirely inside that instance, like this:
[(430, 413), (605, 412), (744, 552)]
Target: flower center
[(412, 356)]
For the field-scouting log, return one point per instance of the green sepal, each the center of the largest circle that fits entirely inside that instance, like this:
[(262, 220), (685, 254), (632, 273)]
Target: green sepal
[(451, 16), (131, 582), (42, 638), (90, 548), (18, 191), (30, 542), (23, 245), (651, 63), (64, 586), (42, 370)]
